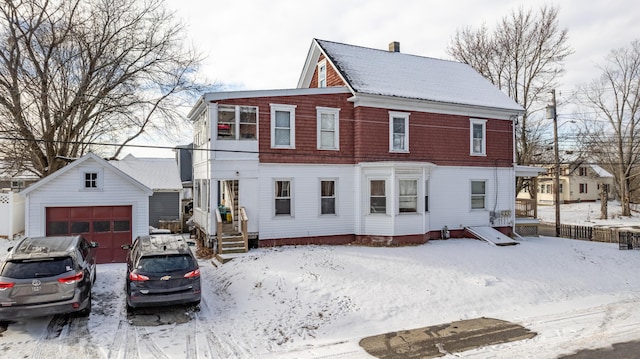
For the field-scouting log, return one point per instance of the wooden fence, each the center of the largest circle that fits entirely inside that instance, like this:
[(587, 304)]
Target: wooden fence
[(626, 238)]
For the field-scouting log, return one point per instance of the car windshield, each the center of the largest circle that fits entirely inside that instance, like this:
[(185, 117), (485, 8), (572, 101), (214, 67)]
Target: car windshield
[(31, 268), (165, 263)]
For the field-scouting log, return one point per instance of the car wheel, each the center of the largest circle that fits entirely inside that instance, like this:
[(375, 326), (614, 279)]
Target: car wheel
[(86, 311)]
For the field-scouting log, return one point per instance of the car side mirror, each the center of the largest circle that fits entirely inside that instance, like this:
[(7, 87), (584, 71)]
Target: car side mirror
[(94, 244), (126, 246), (9, 249)]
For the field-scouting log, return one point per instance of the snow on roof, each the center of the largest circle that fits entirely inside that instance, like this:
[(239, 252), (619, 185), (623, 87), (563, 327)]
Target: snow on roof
[(380, 72), (156, 173), (601, 172)]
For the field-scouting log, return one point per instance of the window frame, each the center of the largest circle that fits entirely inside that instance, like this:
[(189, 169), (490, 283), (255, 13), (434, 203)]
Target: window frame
[(415, 196), (583, 188), (483, 147), (403, 116), (386, 206), (336, 129), (276, 198), (476, 195), (292, 125), (322, 75), (334, 196)]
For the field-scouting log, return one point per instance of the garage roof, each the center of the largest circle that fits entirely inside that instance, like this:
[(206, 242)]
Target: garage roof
[(159, 174)]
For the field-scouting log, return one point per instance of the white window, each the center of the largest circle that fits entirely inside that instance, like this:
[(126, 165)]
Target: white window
[(328, 128), (322, 73), (283, 197), (377, 197), (328, 197), (90, 180), (283, 126), (408, 196), (426, 196), (237, 122), (398, 132), (478, 193), (478, 137)]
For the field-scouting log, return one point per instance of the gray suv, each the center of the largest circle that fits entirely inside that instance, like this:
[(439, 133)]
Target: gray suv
[(47, 275), (161, 270)]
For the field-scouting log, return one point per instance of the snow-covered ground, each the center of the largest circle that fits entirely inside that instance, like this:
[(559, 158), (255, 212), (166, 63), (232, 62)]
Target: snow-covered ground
[(589, 213), (319, 301)]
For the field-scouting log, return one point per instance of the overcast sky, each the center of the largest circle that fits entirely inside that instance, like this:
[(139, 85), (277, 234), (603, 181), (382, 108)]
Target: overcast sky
[(255, 44)]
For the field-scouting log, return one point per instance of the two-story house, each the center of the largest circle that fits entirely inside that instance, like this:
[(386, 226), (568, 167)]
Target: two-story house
[(372, 147), (578, 183)]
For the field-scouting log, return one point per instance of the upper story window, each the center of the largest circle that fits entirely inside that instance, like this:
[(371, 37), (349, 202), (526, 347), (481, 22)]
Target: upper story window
[(237, 122), (322, 73), (583, 188), (398, 132), (478, 194), (283, 126), (582, 171), (478, 137), (328, 128)]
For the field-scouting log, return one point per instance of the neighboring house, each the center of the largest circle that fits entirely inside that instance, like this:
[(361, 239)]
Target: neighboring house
[(163, 177), (373, 147), (92, 197), (14, 180), (578, 183)]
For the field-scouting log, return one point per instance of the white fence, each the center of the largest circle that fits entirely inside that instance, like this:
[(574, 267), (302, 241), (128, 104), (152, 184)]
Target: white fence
[(11, 214)]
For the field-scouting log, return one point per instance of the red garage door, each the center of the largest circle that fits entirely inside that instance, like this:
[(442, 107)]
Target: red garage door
[(110, 226)]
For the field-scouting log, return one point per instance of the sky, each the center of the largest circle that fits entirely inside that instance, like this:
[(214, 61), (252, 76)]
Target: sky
[(257, 45), (253, 45), (320, 301)]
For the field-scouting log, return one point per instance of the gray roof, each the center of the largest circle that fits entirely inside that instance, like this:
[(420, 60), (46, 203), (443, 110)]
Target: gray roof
[(381, 72), (159, 174)]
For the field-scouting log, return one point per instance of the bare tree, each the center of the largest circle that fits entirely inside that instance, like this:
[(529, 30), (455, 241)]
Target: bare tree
[(523, 56), (614, 135), (75, 73)]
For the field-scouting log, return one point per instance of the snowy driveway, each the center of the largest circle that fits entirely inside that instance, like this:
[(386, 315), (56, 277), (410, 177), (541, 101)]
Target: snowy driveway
[(319, 301)]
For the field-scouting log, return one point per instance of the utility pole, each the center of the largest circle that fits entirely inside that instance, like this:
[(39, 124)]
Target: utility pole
[(551, 110)]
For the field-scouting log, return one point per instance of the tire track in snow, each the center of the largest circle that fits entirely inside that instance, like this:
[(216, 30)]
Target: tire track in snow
[(143, 336)]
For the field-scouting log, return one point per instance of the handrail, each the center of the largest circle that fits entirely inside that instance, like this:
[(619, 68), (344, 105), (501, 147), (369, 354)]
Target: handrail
[(218, 229), (526, 208), (244, 219)]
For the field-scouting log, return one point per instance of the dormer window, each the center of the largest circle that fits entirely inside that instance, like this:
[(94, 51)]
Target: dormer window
[(90, 180), (322, 73)]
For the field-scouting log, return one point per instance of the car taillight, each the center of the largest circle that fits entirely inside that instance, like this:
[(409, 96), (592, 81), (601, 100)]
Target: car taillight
[(6, 285), (74, 278), (193, 274), (137, 277)]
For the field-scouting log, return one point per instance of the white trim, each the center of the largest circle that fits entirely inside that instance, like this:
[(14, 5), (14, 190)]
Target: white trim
[(471, 195), (405, 104), (483, 147), (404, 116), (322, 65), (292, 125), (229, 95), (335, 197), (336, 118), (386, 195), (291, 199)]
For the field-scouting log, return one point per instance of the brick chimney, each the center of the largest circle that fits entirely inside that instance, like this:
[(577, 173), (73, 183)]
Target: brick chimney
[(394, 46)]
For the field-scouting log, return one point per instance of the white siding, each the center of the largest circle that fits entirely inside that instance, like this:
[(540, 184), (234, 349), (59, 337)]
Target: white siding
[(306, 219), (450, 196), (67, 191)]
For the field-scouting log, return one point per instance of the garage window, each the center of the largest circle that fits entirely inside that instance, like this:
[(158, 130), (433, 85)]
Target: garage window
[(101, 226), (79, 227), (91, 180), (57, 228), (121, 226)]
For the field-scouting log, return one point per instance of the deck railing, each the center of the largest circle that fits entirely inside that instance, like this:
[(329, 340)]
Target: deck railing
[(526, 208)]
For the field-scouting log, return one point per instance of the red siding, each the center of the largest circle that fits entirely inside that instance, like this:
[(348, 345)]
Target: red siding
[(364, 135), (333, 78)]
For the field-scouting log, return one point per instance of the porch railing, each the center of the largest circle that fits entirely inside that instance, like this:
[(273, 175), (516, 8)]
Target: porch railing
[(243, 228), (218, 229), (526, 208)]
